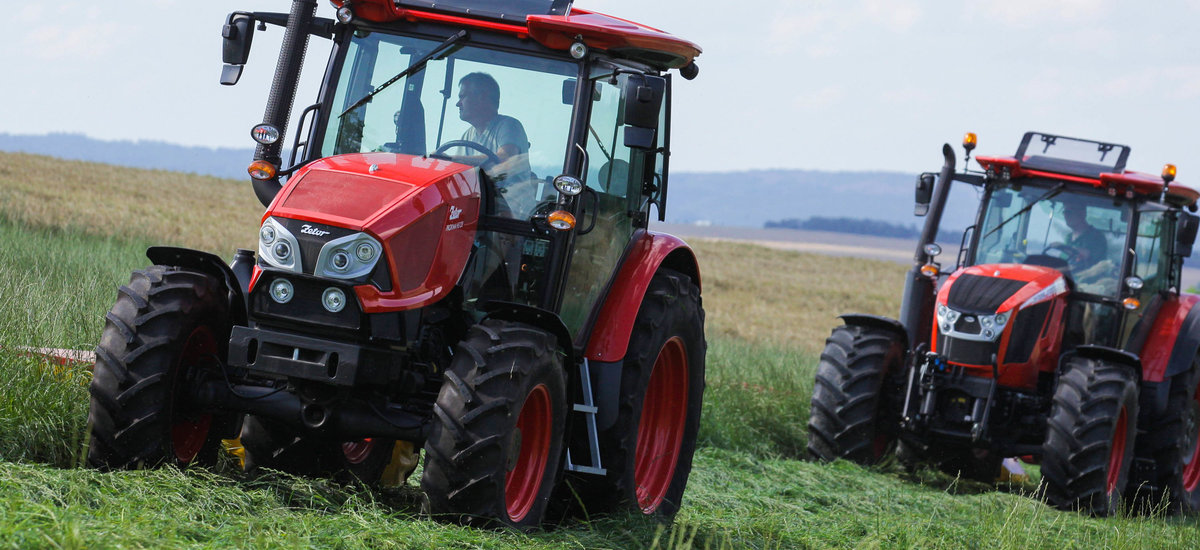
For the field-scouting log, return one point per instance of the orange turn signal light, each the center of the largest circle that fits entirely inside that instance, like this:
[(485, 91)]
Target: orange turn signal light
[(1168, 173), (1131, 303), (261, 170), (930, 270), (561, 220)]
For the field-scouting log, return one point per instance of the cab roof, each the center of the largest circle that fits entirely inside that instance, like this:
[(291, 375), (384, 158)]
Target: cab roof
[(1093, 163), (552, 23)]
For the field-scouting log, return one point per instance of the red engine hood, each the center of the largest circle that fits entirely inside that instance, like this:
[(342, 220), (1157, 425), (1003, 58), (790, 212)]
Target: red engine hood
[(424, 211), (1020, 283)]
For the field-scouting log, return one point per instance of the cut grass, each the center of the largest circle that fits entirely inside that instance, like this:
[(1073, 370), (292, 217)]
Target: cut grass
[(768, 314)]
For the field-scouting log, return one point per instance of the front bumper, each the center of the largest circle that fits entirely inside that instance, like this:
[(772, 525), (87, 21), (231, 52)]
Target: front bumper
[(274, 354)]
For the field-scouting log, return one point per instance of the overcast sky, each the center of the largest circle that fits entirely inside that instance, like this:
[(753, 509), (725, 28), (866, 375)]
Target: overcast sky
[(815, 84)]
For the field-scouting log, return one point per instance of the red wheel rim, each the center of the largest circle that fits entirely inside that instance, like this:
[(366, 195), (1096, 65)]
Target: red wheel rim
[(356, 452), (1191, 466), (524, 480), (660, 431), (1117, 454), (188, 434)]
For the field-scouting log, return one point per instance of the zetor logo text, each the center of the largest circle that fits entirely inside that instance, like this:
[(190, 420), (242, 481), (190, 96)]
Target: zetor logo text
[(310, 230)]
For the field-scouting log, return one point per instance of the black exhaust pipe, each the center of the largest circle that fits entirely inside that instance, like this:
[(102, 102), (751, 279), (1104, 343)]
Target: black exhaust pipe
[(916, 311), (283, 91)]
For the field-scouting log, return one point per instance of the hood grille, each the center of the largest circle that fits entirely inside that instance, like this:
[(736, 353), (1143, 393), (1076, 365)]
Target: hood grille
[(981, 295)]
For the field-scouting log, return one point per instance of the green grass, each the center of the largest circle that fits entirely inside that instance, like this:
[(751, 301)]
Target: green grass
[(768, 314)]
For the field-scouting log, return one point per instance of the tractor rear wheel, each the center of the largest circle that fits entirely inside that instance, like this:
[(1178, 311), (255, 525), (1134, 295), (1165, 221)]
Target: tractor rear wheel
[(1090, 436), (496, 446), (1173, 442), (168, 329), (648, 450), (853, 416)]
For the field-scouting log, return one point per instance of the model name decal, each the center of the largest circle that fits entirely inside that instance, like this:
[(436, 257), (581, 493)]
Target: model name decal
[(310, 230), (454, 226)]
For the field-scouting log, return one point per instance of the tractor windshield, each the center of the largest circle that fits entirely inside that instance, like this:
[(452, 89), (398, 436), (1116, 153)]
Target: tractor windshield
[(1080, 234), (504, 112)]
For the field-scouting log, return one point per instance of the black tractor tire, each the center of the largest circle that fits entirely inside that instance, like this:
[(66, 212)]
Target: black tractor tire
[(854, 414), (1172, 441), (272, 445), (168, 330), (1090, 436), (495, 450), (648, 450)]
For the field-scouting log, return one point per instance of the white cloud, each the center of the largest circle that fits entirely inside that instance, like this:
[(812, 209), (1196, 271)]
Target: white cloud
[(86, 41), (1030, 13)]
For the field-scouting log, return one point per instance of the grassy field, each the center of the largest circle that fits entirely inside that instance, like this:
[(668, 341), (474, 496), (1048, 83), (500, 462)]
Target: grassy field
[(768, 313)]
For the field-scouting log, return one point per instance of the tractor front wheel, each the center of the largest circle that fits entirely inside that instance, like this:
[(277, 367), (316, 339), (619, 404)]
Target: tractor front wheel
[(495, 449), (1090, 436), (168, 330), (852, 417)]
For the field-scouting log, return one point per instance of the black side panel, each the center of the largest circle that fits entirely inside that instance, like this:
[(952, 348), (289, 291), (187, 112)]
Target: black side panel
[(1026, 328), (1186, 345), (981, 295)]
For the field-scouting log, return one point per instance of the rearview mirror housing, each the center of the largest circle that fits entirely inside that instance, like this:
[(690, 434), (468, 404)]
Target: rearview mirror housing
[(236, 37), (643, 97), (1185, 234), (924, 193)]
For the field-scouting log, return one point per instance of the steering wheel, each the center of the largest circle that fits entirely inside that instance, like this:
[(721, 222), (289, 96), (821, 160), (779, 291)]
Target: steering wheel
[(491, 157), (1064, 252)]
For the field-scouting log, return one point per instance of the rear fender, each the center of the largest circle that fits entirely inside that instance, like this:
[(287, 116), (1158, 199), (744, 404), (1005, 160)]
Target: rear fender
[(1174, 339), (610, 335), (207, 263)]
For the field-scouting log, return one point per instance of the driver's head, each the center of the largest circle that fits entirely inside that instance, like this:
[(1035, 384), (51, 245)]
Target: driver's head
[(1076, 216), (478, 98)]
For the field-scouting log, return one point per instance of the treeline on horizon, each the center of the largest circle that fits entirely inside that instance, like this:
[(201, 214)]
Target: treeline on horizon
[(858, 226)]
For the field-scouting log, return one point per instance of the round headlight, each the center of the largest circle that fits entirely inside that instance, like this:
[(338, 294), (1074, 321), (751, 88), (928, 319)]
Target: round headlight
[(986, 321), (941, 310), (345, 14), (1134, 283), (282, 250), (987, 333), (932, 249), (267, 234), (945, 327), (340, 261), (282, 291), (578, 50), (365, 252), (333, 299), (1001, 318)]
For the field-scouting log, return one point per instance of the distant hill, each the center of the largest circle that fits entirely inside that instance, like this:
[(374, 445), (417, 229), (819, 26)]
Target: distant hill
[(225, 162), (745, 198)]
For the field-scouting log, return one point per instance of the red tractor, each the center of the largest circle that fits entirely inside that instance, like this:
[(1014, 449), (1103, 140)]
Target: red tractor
[(434, 274), (1061, 334)]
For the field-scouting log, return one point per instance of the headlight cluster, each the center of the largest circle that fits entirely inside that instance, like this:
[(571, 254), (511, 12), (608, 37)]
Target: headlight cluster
[(278, 247), (349, 257), (990, 326)]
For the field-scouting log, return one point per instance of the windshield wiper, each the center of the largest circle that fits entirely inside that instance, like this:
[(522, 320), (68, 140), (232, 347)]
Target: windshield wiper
[(1053, 191), (416, 66)]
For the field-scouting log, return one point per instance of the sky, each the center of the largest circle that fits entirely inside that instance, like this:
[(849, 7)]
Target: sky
[(808, 84)]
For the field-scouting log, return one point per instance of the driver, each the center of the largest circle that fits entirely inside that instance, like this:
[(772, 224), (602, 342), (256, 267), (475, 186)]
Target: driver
[(1087, 243), (479, 106)]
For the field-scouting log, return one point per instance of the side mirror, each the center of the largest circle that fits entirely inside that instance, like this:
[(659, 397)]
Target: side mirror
[(924, 193), (236, 37), (643, 97), (1185, 234)]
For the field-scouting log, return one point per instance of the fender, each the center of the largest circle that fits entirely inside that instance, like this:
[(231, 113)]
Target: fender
[(206, 263), (545, 320), (610, 335), (1112, 355), (1174, 339), (875, 321)]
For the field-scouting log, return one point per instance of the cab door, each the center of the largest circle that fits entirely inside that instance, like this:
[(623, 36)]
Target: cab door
[(613, 201)]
